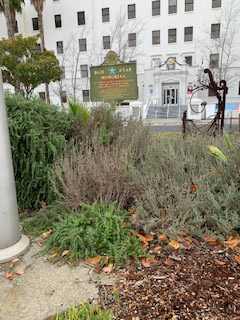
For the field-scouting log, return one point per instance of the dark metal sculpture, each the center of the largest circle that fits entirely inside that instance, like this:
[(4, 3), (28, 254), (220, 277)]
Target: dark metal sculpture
[(220, 91)]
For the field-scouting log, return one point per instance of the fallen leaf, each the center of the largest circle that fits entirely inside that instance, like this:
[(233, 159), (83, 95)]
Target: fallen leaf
[(157, 249), (55, 249), (52, 255), (212, 241), (11, 265), (64, 253), (237, 258), (144, 244), (105, 260), (44, 235), (20, 272), (9, 275), (162, 237), (15, 260), (108, 269), (142, 238), (40, 244), (147, 262), (130, 209), (148, 237), (93, 261), (221, 263), (135, 216), (192, 188), (69, 263), (196, 242), (232, 243), (168, 262), (135, 276), (174, 244)]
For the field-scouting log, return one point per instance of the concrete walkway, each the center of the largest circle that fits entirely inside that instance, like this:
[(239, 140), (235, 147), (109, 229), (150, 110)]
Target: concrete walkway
[(45, 288)]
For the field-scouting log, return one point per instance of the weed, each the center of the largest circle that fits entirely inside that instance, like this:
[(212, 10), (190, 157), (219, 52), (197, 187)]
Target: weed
[(85, 312), (96, 230)]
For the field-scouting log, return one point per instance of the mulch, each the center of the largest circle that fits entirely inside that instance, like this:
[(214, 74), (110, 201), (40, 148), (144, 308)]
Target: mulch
[(198, 282)]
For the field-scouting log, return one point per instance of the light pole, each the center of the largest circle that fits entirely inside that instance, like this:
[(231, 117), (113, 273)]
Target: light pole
[(12, 242)]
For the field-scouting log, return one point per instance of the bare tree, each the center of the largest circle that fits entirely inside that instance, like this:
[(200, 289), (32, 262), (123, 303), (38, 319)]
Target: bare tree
[(224, 42), (120, 32)]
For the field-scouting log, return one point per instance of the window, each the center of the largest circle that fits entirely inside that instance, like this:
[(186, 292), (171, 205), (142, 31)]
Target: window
[(215, 31), (63, 97), (214, 60), (188, 34), (132, 40), (156, 8), (82, 45), (156, 37), (106, 42), (38, 47), (188, 60), (16, 27), (35, 24), (63, 72), (81, 18), (216, 3), (84, 70), (105, 15), (85, 94), (239, 88), (189, 5), (58, 21), (131, 11), (59, 47), (172, 35), (172, 6), (42, 95)]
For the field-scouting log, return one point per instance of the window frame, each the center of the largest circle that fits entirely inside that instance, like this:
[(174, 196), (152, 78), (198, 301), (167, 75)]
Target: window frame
[(86, 95), (58, 23), (83, 44), (58, 47), (215, 34), (154, 37), (106, 42), (172, 6), (169, 30), (131, 13), (157, 8), (35, 22), (211, 60), (133, 41), (189, 4), (215, 4), (84, 70), (81, 19), (188, 37), (106, 17)]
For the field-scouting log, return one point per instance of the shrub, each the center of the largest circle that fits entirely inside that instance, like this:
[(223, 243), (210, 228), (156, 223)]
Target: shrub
[(106, 172), (39, 134), (96, 230), (174, 184), (85, 312), (100, 124)]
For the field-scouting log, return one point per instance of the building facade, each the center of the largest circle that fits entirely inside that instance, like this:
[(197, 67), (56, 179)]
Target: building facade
[(172, 41)]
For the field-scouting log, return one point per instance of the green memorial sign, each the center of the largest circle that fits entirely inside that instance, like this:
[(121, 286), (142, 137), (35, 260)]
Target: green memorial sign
[(114, 80)]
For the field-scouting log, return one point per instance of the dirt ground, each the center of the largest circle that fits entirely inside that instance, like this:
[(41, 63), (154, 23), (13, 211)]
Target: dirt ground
[(198, 282)]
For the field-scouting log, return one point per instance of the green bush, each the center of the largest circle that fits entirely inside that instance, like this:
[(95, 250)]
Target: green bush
[(96, 230), (153, 174), (39, 134), (85, 312), (98, 125)]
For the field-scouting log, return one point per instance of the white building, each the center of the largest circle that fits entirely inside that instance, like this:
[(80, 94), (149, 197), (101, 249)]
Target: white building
[(171, 40)]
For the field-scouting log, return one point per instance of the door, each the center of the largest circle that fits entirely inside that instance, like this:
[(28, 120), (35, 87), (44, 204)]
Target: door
[(170, 95)]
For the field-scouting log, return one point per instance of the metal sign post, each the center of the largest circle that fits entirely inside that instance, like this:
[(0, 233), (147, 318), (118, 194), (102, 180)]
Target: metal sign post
[(12, 243)]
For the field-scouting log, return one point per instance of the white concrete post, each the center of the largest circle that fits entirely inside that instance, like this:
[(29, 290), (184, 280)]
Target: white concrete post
[(12, 243)]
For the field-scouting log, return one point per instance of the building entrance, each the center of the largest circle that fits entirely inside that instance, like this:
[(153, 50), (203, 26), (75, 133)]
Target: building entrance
[(170, 94)]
